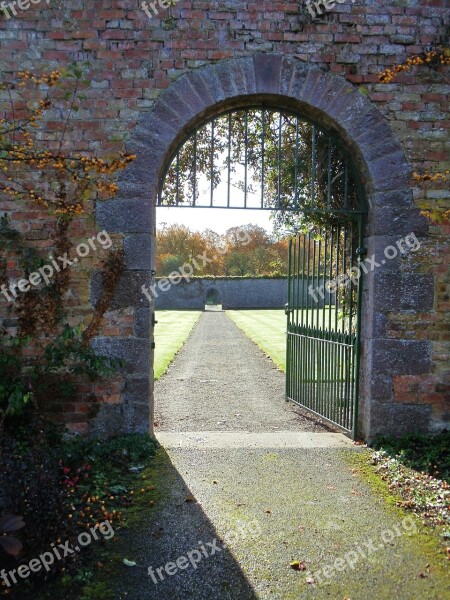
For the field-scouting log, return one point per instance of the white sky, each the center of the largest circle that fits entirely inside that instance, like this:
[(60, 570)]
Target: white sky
[(217, 219), (220, 219)]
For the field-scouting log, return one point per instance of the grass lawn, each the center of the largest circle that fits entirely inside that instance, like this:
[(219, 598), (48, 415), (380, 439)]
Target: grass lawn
[(172, 330), (267, 328)]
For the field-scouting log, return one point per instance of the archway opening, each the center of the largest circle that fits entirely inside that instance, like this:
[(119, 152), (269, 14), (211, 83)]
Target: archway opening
[(271, 159)]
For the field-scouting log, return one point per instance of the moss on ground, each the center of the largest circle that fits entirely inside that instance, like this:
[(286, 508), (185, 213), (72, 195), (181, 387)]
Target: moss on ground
[(426, 539)]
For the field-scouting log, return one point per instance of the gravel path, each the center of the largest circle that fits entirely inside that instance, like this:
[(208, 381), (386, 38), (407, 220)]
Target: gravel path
[(271, 507), (248, 484), (221, 381)]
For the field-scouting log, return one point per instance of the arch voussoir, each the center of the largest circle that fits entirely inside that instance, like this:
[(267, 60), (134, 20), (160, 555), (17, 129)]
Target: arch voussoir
[(267, 73)]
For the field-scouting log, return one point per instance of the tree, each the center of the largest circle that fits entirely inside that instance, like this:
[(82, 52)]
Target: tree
[(296, 166), (244, 250)]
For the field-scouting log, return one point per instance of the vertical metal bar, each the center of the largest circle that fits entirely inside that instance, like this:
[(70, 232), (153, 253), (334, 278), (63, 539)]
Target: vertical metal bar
[(352, 264), (288, 325), (296, 163), (313, 167), (329, 176), (297, 341), (338, 256), (323, 363), (246, 159), (318, 244), (211, 200), (330, 335), (280, 121), (318, 331), (308, 260), (330, 278), (350, 374), (336, 326), (263, 133), (308, 332), (313, 374), (178, 179), (344, 271), (229, 159), (304, 282), (358, 337), (325, 247), (194, 184)]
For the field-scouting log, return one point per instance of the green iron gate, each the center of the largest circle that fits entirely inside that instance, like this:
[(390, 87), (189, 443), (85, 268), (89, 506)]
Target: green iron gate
[(323, 322)]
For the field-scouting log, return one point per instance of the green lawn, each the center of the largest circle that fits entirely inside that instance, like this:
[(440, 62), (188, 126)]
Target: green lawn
[(172, 330), (267, 328)]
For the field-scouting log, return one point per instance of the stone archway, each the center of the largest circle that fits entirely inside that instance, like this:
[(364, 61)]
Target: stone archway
[(284, 82)]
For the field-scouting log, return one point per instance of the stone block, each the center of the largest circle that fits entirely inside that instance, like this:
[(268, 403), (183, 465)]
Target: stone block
[(400, 357), (404, 291), (138, 251), (134, 352), (142, 322), (128, 292), (124, 216), (267, 72)]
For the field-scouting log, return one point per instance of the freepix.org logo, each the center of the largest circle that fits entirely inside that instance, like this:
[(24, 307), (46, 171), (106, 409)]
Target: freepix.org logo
[(148, 7), (10, 8)]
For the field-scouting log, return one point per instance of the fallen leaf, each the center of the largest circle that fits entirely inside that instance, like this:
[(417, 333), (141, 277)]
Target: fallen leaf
[(190, 498), (298, 565), (129, 563)]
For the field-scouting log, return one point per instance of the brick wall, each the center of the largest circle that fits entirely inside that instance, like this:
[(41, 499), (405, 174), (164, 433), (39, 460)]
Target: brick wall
[(133, 58)]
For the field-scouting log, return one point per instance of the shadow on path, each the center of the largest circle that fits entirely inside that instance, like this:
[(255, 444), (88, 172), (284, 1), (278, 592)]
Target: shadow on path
[(179, 530)]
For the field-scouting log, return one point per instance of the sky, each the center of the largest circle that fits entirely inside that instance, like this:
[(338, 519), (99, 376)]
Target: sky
[(217, 219)]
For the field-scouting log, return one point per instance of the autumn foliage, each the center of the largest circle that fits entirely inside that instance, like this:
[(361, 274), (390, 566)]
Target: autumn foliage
[(245, 250)]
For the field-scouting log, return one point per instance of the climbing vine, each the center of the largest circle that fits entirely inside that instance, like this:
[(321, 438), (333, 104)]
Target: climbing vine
[(425, 180), (432, 58), (39, 171)]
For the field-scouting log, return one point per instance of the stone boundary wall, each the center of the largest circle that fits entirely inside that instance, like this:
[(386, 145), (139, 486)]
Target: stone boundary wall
[(231, 293)]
